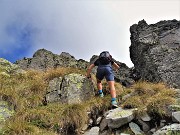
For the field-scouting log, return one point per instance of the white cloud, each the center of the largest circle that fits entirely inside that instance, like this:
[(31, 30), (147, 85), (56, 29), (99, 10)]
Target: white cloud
[(82, 27)]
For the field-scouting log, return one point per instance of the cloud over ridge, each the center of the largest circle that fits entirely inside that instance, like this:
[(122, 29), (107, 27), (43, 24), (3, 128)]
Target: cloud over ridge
[(81, 28)]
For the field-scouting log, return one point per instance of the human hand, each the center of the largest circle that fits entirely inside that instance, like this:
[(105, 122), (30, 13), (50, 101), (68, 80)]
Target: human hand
[(88, 76)]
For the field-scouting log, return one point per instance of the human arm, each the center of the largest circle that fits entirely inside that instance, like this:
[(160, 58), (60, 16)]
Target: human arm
[(116, 66), (89, 70)]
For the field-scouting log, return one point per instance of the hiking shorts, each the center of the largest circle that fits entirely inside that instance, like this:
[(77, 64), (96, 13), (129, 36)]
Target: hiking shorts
[(105, 71)]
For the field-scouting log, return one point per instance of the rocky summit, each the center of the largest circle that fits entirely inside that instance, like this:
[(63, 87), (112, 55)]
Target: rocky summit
[(44, 59), (155, 51)]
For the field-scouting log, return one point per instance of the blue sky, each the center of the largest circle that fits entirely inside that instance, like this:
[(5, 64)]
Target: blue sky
[(80, 27)]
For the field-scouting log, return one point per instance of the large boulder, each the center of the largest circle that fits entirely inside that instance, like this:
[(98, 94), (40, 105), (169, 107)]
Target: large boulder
[(73, 88), (155, 51), (169, 130), (119, 117), (53, 90), (44, 59)]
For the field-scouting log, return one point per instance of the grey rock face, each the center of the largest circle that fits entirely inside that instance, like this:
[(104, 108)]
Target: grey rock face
[(7, 67), (145, 117), (118, 117), (93, 131), (103, 124), (44, 59), (176, 116), (53, 90), (73, 88), (135, 128), (76, 88), (169, 129), (145, 126), (155, 51), (123, 75)]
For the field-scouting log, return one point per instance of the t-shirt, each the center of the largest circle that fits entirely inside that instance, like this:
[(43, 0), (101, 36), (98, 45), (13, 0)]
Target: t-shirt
[(98, 62)]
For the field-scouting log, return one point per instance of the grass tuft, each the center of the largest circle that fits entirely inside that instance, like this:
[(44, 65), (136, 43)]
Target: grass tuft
[(60, 72), (153, 98)]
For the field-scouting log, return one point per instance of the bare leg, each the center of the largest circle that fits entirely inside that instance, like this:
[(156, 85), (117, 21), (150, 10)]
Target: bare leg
[(99, 84), (112, 89), (113, 94)]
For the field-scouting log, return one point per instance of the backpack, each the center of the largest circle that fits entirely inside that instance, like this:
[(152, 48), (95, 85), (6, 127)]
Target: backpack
[(105, 58)]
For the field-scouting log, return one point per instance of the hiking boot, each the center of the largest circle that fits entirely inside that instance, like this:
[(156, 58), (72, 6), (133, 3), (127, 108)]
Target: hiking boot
[(114, 104), (101, 95)]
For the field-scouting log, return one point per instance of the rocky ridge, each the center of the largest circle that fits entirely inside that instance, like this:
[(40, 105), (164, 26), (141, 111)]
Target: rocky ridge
[(155, 51), (44, 59)]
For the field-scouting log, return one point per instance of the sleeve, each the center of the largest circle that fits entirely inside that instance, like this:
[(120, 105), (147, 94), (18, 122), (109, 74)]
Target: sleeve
[(96, 63), (112, 62)]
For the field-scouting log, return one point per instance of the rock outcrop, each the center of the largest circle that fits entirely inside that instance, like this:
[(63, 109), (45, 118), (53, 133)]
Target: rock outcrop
[(44, 59), (169, 129), (155, 51), (119, 117), (73, 88), (7, 68)]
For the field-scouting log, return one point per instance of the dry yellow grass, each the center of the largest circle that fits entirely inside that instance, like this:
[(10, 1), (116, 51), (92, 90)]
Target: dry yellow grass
[(153, 98), (55, 116), (26, 92), (60, 72), (23, 128)]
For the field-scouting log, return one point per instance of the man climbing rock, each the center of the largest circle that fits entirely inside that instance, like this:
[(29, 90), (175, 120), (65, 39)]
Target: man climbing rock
[(105, 63)]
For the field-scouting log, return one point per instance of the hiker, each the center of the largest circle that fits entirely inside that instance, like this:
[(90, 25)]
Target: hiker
[(105, 63)]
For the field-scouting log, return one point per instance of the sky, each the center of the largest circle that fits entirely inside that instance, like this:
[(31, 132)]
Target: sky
[(82, 28)]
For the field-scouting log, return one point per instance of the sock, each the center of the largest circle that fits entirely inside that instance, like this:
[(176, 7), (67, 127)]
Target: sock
[(100, 91), (113, 99)]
